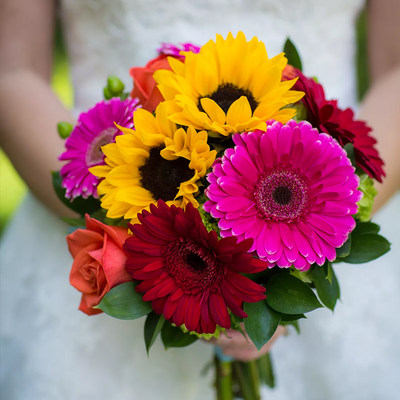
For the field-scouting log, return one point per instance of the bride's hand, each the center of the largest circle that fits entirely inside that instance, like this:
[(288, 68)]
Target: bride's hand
[(235, 345)]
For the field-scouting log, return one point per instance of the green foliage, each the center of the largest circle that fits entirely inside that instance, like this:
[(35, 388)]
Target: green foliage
[(327, 285), (349, 149), (289, 295), (266, 370), (79, 205), (152, 329), (261, 323), (115, 85), (367, 201), (209, 222), (292, 54), (366, 244), (64, 129), (301, 111), (345, 249), (173, 336), (363, 73), (114, 88), (123, 302)]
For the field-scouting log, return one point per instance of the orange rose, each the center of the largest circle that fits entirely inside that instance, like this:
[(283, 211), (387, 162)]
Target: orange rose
[(144, 85), (99, 261)]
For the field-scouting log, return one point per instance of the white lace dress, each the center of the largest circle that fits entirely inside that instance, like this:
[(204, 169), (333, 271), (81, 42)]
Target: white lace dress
[(52, 351)]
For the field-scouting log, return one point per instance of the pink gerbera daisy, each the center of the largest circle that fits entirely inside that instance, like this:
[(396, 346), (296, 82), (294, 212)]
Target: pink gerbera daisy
[(169, 49), (95, 128), (190, 276), (291, 189)]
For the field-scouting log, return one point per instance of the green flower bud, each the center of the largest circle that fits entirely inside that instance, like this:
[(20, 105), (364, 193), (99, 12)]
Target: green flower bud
[(115, 85), (64, 129), (107, 94), (367, 201)]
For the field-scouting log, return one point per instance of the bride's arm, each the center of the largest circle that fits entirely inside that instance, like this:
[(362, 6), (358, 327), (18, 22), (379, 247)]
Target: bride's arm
[(29, 109), (381, 106)]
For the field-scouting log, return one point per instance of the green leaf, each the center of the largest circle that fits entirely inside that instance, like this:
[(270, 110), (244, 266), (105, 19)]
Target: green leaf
[(76, 222), (290, 295), (79, 205), (329, 271), (344, 250), (363, 228), (123, 302), (366, 247), (152, 328), (349, 149), (294, 323), (292, 54), (328, 292), (175, 337), (261, 322), (292, 317)]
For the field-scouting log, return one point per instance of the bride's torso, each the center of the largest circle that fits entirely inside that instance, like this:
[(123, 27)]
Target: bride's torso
[(108, 37), (70, 355)]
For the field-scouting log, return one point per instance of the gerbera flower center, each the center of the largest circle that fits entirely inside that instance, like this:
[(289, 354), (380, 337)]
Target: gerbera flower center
[(94, 154), (193, 267), (282, 195), (227, 93), (162, 177)]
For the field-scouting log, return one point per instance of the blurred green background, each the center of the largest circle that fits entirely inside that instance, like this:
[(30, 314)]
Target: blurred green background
[(12, 188)]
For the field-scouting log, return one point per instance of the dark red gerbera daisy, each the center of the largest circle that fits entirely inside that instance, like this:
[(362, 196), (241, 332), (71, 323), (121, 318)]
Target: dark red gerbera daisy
[(326, 116), (189, 275)]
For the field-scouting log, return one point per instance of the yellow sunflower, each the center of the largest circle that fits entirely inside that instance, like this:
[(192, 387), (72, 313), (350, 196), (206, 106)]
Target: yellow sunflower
[(229, 86), (156, 161)]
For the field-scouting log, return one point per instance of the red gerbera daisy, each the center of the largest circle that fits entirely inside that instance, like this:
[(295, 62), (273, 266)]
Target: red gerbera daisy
[(326, 116), (189, 275)]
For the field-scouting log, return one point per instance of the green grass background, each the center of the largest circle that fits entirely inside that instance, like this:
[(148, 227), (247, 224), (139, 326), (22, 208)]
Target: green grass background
[(12, 188)]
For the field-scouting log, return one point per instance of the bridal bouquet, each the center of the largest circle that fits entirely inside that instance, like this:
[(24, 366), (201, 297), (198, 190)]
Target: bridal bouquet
[(218, 195)]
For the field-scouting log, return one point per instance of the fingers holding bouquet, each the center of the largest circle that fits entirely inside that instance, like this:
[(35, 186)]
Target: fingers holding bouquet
[(239, 346)]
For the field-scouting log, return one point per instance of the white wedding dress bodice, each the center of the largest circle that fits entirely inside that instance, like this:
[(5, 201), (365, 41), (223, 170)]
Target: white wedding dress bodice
[(52, 351)]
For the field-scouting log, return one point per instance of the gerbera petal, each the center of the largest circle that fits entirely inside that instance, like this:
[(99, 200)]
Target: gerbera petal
[(295, 211)]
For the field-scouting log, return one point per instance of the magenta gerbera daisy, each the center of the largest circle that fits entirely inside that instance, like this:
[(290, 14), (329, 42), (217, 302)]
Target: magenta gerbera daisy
[(291, 189), (169, 49), (94, 129), (190, 276)]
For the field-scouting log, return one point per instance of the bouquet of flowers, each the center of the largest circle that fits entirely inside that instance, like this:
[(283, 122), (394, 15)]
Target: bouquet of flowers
[(218, 194)]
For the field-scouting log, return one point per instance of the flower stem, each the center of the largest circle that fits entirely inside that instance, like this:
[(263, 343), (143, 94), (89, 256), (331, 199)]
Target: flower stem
[(266, 370), (255, 378), (223, 379), (246, 382)]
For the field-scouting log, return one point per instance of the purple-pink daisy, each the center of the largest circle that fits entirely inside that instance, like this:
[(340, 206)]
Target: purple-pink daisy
[(169, 49), (291, 189), (94, 129)]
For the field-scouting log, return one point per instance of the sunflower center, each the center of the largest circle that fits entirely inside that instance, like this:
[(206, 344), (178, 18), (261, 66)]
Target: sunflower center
[(162, 177), (227, 93), (282, 195), (94, 154), (193, 267)]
